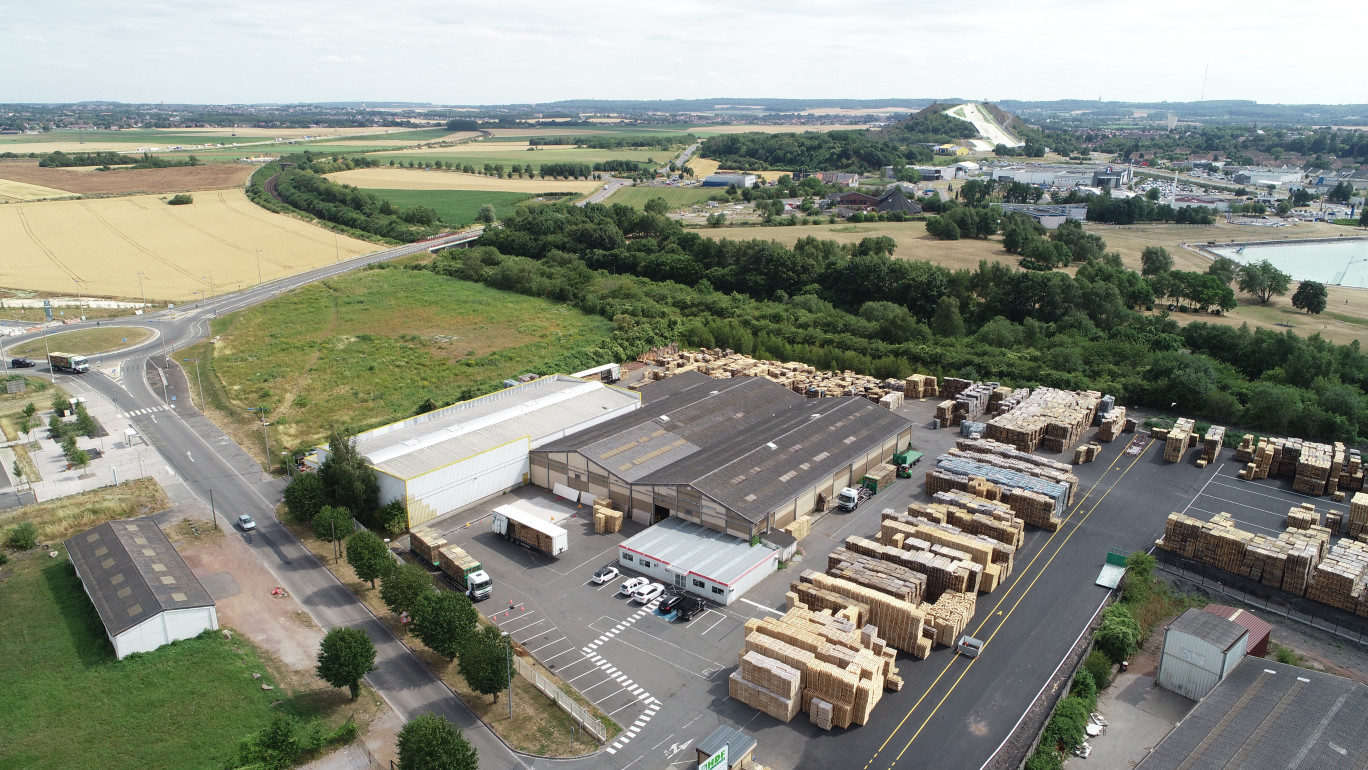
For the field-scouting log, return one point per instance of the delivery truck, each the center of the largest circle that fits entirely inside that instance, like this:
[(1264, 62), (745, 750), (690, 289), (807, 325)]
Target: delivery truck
[(530, 530), (467, 573), (67, 362)]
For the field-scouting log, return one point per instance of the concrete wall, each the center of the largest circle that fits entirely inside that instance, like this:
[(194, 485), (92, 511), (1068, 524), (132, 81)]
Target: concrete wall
[(165, 628)]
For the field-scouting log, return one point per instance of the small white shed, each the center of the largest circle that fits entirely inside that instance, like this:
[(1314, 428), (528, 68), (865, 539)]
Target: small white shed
[(1199, 650)]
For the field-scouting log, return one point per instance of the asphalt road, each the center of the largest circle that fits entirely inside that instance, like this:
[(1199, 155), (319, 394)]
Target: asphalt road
[(214, 467)]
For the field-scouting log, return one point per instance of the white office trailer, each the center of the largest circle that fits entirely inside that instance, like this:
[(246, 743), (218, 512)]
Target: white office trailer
[(451, 457), (143, 590), (1200, 649), (691, 557)]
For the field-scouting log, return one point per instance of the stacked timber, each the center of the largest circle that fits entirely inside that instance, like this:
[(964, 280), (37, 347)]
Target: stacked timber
[(1245, 451), (1339, 578), (1087, 453), (800, 528), (453, 560), (883, 474), (1358, 514), (796, 376), (426, 543), (891, 578), (943, 572), (1212, 443), (945, 410), (607, 519), (1049, 418), (899, 622), (920, 386), (1034, 500), (766, 684), (1113, 424), (1008, 457), (1287, 562), (973, 515), (949, 616), (891, 401), (1312, 469), (1302, 516), (989, 561), (1178, 439), (953, 386)]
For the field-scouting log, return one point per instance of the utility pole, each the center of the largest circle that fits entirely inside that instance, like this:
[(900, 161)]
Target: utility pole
[(213, 514), (51, 374), (142, 291), (198, 380), (258, 267)]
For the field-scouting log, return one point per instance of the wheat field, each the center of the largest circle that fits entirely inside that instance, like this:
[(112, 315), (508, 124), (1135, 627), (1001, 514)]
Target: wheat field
[(98, 247)]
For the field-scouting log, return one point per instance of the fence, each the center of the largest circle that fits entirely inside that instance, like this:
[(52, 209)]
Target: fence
[(589, 722), (1257, 596)]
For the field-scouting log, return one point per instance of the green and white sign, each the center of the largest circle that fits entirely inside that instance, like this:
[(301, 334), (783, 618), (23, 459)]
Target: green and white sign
[(717, 761)]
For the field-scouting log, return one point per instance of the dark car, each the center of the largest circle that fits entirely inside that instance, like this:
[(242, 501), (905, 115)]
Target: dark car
[(688, 607), (21, 363), (669, 604)]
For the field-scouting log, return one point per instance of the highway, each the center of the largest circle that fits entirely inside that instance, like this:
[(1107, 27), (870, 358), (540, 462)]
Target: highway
[(207, 460)]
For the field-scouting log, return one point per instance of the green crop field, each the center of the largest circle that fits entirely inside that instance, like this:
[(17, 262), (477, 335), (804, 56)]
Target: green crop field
[(368, 348), (70, 704), (479, 153), (676, 197), (456, 207)]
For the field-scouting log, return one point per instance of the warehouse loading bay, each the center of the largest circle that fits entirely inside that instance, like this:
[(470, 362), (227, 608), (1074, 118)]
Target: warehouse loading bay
[(665, 682)]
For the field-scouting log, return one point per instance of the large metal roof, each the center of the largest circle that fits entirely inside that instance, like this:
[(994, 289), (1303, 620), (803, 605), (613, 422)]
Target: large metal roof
[(1268, 715), (698, 550), (132, 573), (1209, 627), (540, 410)]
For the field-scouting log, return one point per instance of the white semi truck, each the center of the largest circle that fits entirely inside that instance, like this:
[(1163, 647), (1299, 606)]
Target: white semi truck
[(530, 530)]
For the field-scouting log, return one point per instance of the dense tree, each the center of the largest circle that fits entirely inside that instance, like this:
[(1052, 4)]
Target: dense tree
[(1310, 296), (1119, 634), (344, 657), (430, 742), (483, 661), (486, 214), (444, 620), (369, 556), (305, 496), (1155, 260), (947, 322), (332, 523), (1225, 269), (349, 481), (403, 586), (656, 206), (1263, 280)]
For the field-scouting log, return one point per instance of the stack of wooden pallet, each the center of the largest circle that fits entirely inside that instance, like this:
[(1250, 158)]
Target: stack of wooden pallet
[(1087, 453), (952, 386), (1113, 424), (1009, 401), (891, 401), (949, 616), (943, 573), (899, 622), (964, 503), (1008, 457), (1339, 578), (1178, 439), (1212, 443), (1037, 508), (1245, 451), (426, 543), (1302, 516), (945, 411), (1313, 469), (883, 474), (607, 519), (800, 528), (1181, 535), (1358, 514), (920, 386), (891, 578), (454, 561), (1287, 561), (1049, 418), (993, 558), (768, 685)]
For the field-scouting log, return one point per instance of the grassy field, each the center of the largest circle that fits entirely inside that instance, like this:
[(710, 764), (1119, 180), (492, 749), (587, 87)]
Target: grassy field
[(508, 153), (85, 342), (456, 207), (69, 704), (366, 349), (913, 242), (184, 252), (62, 517), (676, 197), (387, 178)]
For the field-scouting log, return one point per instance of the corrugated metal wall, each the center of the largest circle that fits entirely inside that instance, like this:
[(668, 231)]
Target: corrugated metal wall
[(468, 480), (1189, 666)]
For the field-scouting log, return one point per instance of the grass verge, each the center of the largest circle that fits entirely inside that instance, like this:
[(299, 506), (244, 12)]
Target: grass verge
[(64, 516), (537, 726), (84, 342)]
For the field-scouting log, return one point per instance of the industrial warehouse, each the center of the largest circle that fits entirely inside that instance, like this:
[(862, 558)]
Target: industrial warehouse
[(742, 455), (448, 458)]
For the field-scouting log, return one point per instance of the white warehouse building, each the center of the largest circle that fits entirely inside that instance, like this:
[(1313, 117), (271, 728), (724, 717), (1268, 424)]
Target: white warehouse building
[(451, 457), (143, 590)]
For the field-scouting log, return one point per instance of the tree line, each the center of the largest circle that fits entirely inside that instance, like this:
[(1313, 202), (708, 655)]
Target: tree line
[(617, 141), (859, 151), (857, 307)]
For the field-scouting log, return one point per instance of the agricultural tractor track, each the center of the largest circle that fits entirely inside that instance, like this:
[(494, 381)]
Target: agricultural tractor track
[(23, 220)]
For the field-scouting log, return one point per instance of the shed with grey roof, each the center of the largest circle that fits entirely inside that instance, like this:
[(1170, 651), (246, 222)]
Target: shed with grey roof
[(143, 590), (740, 455), (1200, 649), (739, 746), (443, 460)]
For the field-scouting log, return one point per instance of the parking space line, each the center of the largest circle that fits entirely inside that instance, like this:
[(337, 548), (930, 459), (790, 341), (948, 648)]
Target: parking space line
[(586, 673), (544, 646), (512, 631), (1244, 505), (761, 606), (557, 655), (700, 617), (592, 686), (714, 625), (1242, 523), (1247, 488), (623, 706)]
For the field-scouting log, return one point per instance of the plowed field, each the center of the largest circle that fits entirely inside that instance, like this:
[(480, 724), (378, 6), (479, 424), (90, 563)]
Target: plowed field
[(125, 180)]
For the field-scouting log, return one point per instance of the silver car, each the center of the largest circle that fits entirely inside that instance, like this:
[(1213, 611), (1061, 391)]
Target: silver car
[(246, 523)]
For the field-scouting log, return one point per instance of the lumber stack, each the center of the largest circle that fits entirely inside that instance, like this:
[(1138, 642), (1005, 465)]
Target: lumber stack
[(606, 518), (1087, 453), (891, 401), (883, 475), (1113, 424), (949, 616), (1339, 578), (426, 543), (1358, 514), (920, 386), (1178, 439), (1316, 469), (1034, 500), (1302, 517), (1008, 457), (944, 570), (800, 528), (953, 386), (894, 579), (1288, 562), (1049, 418), (796, 376), (1212, 443), (983, 549), (975, 516), (1245, 451)]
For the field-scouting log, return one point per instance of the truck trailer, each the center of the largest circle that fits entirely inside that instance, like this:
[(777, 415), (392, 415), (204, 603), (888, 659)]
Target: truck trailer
[(67, 362), (530, 530), (467, 573)]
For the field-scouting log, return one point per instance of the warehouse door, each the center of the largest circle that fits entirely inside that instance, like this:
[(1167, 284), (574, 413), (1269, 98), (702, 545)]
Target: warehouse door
[(661, 513)]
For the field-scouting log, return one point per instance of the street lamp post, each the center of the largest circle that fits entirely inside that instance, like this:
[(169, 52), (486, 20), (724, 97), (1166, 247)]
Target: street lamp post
[(48, 354), (142, 291), (259, 267), (212, 295), (80, 302), (198, 381), (265, 442)]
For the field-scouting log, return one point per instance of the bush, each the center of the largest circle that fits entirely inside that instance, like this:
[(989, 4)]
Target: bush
[(22, 537), (1099, 667), (181, 200), (333, 522), (1085, 688), (3, 559), (1066, 728), (1119, 635), (1045, 758)]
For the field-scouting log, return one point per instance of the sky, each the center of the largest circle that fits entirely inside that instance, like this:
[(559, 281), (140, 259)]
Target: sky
[(531, 51)]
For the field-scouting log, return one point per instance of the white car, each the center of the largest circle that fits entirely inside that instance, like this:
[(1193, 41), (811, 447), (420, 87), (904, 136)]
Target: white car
[(605, 575), (631, 585), (246, 523), (645, 594)]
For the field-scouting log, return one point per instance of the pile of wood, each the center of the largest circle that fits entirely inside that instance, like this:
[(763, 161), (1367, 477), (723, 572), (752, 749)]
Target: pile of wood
[(991, 559), (1113, 424), (814, 661), (891, 401), (1358, 514), (1315, 469), (1036, 501), (898, 622), (800, 528), (1302, 516), (966, 404), (920, 386), (1212, 443), (1005, 399), (883, 475), (1178, 439), (974, 515), (453, 560), (1087, 453), (794, 375), (949, 615), (1008, 457), (944, 568), (1049, 418), (1339, 578), (1245, 451), (891, 578), (953, 386), (426, 543), (1287, 562)]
